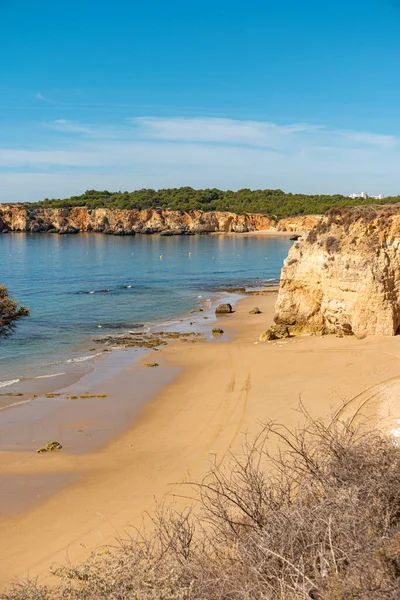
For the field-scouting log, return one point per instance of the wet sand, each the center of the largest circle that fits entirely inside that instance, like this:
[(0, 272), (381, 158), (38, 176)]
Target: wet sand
[(218, 391)]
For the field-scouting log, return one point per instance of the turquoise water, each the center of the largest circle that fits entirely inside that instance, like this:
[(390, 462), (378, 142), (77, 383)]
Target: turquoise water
[(63, 280)]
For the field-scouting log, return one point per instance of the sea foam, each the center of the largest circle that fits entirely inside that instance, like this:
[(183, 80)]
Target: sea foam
[(7, 383)]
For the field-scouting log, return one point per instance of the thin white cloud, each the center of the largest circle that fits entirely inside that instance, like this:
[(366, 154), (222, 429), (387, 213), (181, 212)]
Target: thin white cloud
[(71, 126), (370, 139), (207, 152), (40, 96), (217, 130)]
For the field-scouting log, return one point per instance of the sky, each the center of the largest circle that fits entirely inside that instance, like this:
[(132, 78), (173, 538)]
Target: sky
[(122, 95)]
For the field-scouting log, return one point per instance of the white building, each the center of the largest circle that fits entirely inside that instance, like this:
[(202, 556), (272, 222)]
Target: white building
[(364, 196)]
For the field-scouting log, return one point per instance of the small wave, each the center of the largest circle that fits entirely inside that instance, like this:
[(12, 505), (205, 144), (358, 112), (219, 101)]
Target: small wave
[(48, 376), (273, 281), (15, 404), (164, 324), (79, 359), (7, 383), (105, 291)]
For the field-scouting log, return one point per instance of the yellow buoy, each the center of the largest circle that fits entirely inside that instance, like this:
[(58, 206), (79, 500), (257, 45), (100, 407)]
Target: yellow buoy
[(160, 256), (190, 254)]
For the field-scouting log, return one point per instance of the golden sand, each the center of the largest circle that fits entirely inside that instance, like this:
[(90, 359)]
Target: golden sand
[(224, 389)]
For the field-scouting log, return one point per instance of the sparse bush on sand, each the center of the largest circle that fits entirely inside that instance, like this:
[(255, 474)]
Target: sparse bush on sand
[(318, 518)]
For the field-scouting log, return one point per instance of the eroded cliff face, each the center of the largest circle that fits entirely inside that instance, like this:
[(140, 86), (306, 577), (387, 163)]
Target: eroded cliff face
[(344, 276), (300, 223), (129, 222)]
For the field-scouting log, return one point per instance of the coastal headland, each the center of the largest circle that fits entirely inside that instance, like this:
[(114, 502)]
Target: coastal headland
[(115, 221), (219, 390), (343, 277)]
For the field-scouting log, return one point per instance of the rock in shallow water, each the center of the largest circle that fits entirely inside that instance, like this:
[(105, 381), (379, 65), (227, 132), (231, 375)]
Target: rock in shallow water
[(68, 229)]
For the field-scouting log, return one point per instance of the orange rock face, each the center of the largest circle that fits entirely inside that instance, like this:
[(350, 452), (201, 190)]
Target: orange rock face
[(344, 276), (125, 222)]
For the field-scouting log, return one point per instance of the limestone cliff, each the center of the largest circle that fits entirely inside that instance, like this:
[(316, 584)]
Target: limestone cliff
[(344, 276), (297, 224), (129, 222)]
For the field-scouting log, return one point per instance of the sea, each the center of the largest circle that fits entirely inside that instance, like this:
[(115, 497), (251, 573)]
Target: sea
[(81, 287)]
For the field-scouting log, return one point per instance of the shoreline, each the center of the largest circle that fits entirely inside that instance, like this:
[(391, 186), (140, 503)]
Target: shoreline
[(220, 391), (266, 232), (20, 389)]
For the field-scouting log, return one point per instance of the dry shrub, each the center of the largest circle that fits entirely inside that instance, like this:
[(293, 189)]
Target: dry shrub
[(332, 244), (317, 518)]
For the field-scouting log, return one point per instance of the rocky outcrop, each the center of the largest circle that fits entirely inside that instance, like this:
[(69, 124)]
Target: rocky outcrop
[(344, 276), (297, 224), (128, 222)]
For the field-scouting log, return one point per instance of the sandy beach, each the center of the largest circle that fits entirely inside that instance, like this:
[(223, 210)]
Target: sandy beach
[(217, 392)]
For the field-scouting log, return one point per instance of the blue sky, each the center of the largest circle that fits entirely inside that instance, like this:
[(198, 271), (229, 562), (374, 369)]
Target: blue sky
[(304, 96)]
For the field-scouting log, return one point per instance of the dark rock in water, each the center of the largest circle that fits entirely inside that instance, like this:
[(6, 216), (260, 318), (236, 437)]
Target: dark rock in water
[(68, 229), (39, 226), (217, 331), (104, 291), (119, 230), (295, 237), (169, 232), (122, 325), (147, 231), (223, 309), (35, 228)]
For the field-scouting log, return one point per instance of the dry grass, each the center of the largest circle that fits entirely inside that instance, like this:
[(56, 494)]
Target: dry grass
[(319, 518)]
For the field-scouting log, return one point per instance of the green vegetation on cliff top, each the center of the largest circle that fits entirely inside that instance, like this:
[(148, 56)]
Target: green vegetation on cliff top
[(274, 203)]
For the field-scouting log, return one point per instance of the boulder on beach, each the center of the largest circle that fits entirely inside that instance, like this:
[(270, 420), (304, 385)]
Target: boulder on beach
[(49, 447), (223, 309), (276, 332), (255, 311), (217, 331)]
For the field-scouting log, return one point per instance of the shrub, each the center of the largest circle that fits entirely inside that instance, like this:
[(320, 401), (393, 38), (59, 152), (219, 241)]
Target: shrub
[(332, 244), (10, 312), (316, 515)]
